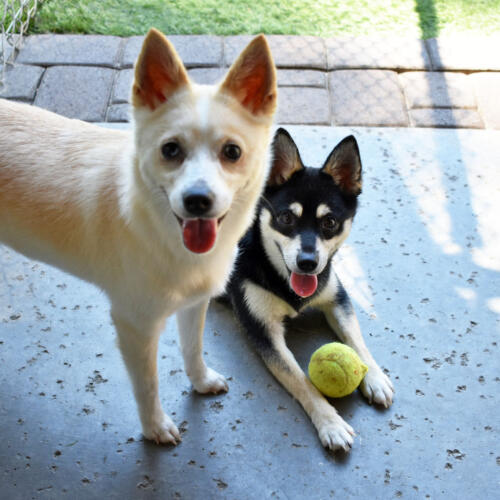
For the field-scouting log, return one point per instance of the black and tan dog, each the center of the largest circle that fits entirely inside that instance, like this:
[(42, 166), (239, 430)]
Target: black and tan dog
[(285, 265)]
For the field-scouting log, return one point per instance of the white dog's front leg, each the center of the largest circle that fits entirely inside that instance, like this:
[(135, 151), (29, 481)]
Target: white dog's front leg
[(139, 348), (191, 323)]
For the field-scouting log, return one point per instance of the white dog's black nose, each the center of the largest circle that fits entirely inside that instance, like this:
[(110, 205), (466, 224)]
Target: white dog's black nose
[(307, 261), (198, 200)]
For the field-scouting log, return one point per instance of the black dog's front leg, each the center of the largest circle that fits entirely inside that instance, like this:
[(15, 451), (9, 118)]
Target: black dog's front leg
[(341, 317), (259, 313)]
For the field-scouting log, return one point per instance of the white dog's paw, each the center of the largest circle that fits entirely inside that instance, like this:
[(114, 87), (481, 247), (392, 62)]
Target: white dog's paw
[(334, 433), (211, 383), (377, 387), (162, 430)]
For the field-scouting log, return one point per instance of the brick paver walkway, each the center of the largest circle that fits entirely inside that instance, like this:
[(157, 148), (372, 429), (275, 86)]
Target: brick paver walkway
[(365, 81)]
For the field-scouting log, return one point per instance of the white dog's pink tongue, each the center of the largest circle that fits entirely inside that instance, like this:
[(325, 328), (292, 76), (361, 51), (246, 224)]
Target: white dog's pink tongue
[(199, 234), (304, 284)]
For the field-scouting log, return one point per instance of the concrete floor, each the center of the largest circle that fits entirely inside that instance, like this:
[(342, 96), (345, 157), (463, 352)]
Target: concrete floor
[(422, 266)]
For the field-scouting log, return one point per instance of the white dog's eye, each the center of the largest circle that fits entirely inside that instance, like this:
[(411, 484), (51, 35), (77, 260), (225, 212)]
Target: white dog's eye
[(231, 152), (171, 150)]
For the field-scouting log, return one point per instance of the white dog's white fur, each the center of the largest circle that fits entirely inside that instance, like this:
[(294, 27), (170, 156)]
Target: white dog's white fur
[(105, 205)]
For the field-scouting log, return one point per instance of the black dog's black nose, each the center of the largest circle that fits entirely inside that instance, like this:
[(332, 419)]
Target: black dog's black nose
[(307, 261), (198, 200)]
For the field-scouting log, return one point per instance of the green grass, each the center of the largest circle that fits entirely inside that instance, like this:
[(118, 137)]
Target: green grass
[(423, 18)]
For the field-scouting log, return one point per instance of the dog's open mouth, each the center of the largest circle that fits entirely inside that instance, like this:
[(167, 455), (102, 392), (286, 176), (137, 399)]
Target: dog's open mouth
[(199, 235), (303, 285)]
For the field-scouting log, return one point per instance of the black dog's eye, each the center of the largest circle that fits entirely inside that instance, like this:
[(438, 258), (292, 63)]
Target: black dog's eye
[(171, 150), (328, 223), (286, 218), (231, 152)]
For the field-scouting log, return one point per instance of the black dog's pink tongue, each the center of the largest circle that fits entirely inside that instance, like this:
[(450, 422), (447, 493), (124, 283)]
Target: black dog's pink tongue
[(199, 234), (304, 284)]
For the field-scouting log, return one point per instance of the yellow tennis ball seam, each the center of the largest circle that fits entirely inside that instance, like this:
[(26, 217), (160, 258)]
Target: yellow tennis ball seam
[(336, 369), (326, 370)]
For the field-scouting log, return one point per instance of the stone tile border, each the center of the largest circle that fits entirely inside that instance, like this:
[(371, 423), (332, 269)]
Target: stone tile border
[(465, 53), (363, 52), (21, 82), (445, 118), (428, 89), (52, 50), (76, 91), (207, 76), (194, 50), (303, 106), (487, 90), (289, 51), (367, 97), (118, 113), (366, 81), (286, 78), (301, 78), (123, 86)]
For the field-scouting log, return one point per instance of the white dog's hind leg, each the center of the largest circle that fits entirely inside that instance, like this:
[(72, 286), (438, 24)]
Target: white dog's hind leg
[(139, 348), (191, 323)]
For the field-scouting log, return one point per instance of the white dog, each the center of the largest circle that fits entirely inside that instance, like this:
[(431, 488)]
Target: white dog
[(152, 217)]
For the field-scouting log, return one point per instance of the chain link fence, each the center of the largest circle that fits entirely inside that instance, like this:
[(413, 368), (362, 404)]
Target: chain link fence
[(15, 18)]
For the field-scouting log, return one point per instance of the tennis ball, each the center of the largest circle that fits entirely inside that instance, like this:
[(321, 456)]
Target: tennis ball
[(336, 370)]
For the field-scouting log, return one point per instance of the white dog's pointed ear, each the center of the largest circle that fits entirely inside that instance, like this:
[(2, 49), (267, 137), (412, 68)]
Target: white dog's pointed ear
[(252, 78), (344, 165), (159, 72), (286, 158)]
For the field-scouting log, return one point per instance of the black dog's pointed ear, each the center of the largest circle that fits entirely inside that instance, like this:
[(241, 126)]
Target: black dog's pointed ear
[(286, 158), (344, 165)]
